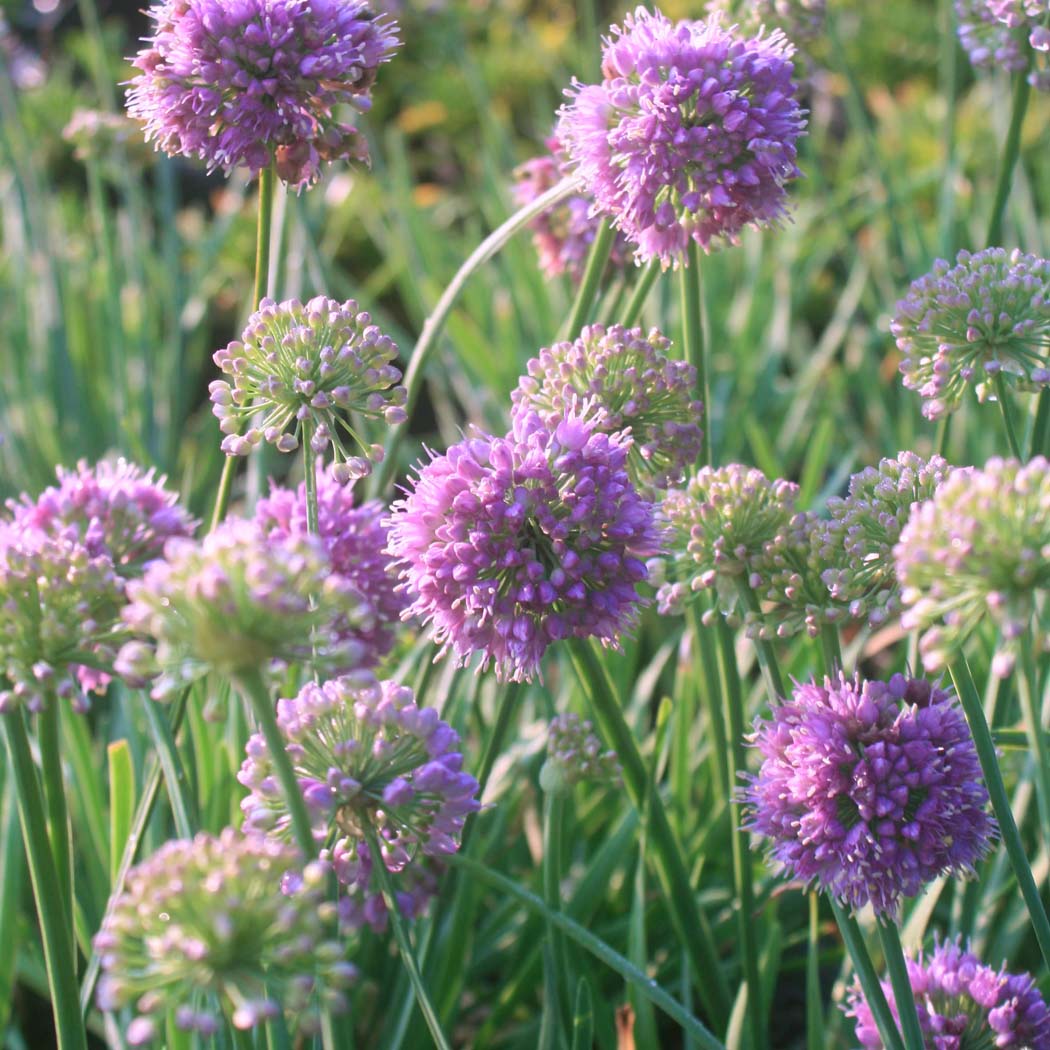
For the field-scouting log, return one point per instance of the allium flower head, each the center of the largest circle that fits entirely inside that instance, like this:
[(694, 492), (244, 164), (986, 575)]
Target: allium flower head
[(800, 19), (233, 602), (510, 544), (629, 380), (563, 235), (963, 1004), (989, 315), (117, 509), (690, 135), (354, 538), (575, 756), (59, 604), (243, 83), (221, 928), (370, 762), (870, 790), (720, 523), (988, 42), (312, 364), (980, 546)]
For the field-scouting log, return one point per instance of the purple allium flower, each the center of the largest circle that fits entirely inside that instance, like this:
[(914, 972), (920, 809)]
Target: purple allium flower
[(979, 547), (243, 83), (232, 603), (987, 41), (627, 377), (318, 363), (575, 755), (963, 1004), (59, 604), (366, 758), (989, 315), (720, 523), (564, 234), (510, 544), (690, 134), (799, 19), (870, 790), (221, 928)]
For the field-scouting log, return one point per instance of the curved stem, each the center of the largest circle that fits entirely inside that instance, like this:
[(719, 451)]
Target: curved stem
[(433, 325), (1008, 161), (56, 935), (693, 336), (1008, 422), (1028, 690), (633, 310), (903, 996), (597, 259), (59, 831), (993, 778), (222, 494)]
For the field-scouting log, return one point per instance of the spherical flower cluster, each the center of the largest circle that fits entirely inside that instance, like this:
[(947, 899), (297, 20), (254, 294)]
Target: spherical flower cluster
[(720, 523), (691, 135), (628, 378), (510, 544), (980, 546), (988, 42), (963, 1003), (221, 928), (987, 316), (354, 539), (233, 602), (1008, 22), (870, 790), (800, 19), (373, 767), (256, 82), (563, 234), (575, 756), (307, 368), (116, 509), (59, 606)]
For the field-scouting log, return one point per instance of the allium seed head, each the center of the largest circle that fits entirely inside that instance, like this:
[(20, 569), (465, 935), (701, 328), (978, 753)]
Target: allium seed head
[(1007, 34), (799, 19), (215, 929), (629, 380), (575, 756), (368, 760), (962, 1004), (980, 547), (247, 83), (510, 544), (690, 135), (233, 602), (870, 790), (315, 364), (963, 325)]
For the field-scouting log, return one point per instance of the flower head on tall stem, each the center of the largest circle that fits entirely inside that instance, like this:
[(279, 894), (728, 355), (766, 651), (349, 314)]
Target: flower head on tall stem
[(254, 82), (367, 760), (630, 382), (510, 544), (988, 41), (690, 135), (963, 1004), (308, 367), (1026, 23), (232, 603), (221, 928), (799, 19), (968, 324), (869, 789), (979, 548), (576, 756)]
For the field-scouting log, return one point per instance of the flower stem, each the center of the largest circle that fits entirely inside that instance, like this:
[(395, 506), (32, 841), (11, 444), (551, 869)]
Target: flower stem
[(222, 494), (597, 259), (869, 980), (254, 690), (56, 934), (689, 922), (310, 479), (993, 777), (831, 648), (903, 995), (1008, 161), (814, 999), (632, 311), (1028, 690), (59, 829), (263, 226), (404, 945), (767, 655), (1008, 423), (943, 435), (553, 836), (689, 278), (708, 661)]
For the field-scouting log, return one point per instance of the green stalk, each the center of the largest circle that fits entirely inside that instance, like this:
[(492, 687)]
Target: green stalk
[(254, 691), (743, 873), (55, 932), (1008, 161), (689, 278), (691, 926), (767, 655), (1037, 442), (1008, 423), (869, 979), (903, 995), (708, 659), (831, 649), (553, 836), (948, 76), (943, 435), (59, 830), (993, 778), (597, 259), (633, 310), (184, 809), (814, 999), (404, 945), (1028, 690), (310, 472)]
